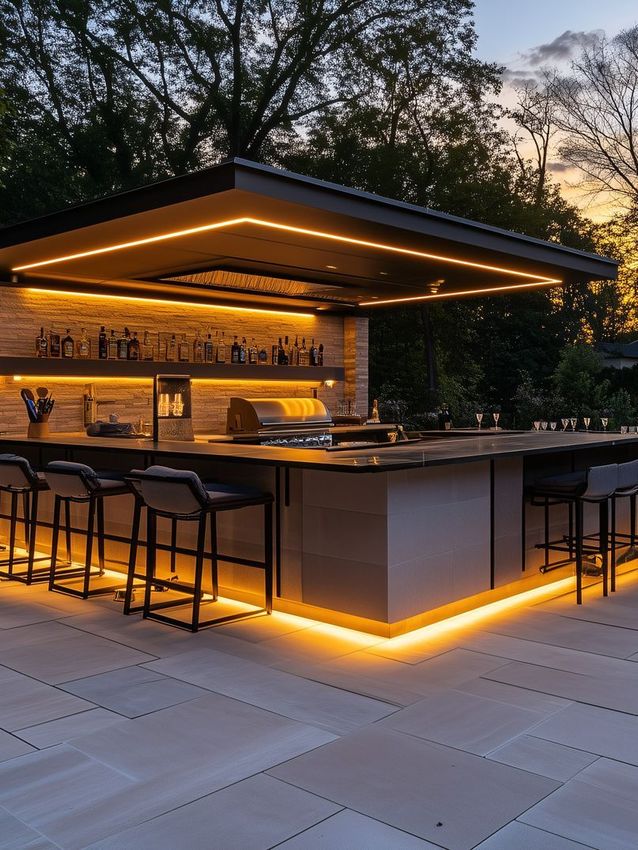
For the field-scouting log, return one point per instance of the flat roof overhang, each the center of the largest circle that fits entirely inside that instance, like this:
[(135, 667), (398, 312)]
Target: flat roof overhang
[(345, 249)]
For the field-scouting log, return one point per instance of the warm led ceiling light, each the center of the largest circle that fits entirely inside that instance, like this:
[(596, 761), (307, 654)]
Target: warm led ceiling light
[(486, 291), (200, 304), (288, 228)]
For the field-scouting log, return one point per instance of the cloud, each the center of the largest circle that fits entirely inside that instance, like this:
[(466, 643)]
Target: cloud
[(517, 78), (562, 47), (558, 167)]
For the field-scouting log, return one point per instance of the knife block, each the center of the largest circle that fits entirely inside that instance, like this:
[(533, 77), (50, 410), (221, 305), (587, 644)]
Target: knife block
[(37, 430)]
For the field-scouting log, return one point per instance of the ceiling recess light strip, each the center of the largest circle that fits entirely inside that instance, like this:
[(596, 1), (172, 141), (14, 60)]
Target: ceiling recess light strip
[(151, 300), (274, 225), (455, 294)]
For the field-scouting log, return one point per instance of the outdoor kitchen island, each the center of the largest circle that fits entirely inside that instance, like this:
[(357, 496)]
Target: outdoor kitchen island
[(382, 540)]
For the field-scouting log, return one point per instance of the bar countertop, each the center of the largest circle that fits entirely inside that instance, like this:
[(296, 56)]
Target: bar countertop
[(429, 452)]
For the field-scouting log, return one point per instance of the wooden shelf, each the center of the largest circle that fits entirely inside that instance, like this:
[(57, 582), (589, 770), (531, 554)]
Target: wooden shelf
[(72, 367)]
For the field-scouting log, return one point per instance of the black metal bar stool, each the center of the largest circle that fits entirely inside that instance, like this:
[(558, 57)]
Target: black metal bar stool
[(181, 496), (77, 482), (627, 489), (595, 485), (18, 478)]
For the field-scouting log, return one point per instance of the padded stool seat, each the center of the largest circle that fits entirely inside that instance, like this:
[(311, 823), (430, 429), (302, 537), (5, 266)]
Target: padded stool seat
[(18, 478)]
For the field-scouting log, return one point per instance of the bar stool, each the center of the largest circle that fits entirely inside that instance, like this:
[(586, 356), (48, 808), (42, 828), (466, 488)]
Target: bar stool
[(79, 483), (595, 485), (18, 478), (627, 489), (181, 496)]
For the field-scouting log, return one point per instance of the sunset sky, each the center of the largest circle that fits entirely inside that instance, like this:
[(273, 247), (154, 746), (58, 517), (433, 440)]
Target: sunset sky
[(527, 36)]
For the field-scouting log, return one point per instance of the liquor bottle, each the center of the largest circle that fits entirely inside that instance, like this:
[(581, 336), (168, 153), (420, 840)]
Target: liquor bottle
[(253, 353), (263, 356), (84, 346), (314, 354), (304, 357), (234, 351), (183, 350), (113, 346), (171, 349), (221, 349), (198, 348), (68, 346), (55, 347), (134, 348), (320, 363), (122, 345), (295, 353), (148, 352), (274, 355), (281, 354), (41, 345), (102, 345), (289, 353), (243, 351), (209, 350)]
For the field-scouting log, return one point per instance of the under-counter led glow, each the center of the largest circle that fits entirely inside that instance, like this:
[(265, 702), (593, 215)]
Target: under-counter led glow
[(275, 225), (152, 300)]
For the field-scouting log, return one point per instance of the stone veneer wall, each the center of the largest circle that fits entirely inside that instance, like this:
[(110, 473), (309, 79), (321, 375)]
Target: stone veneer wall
[(23, 312)]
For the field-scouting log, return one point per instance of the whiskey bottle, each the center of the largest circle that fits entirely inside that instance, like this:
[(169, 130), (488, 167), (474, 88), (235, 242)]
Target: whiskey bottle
[(304, 356), (171, 349), (102, 345), (209, 350), (234, 352), (184, 350), (295, 353), (263, 356), (243, 351), (122, 345), (289, 353), (320, 355), (68, 346), (314, 354), (113, 346), (41, 345), (253, 353), (134, 348), (55, 347), (148, 352), (198, 348), (84, 346), (274, 355), (281, 354), (221, 349)]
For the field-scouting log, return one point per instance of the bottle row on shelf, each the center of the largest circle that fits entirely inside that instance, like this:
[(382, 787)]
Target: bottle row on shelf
[(170, 347)]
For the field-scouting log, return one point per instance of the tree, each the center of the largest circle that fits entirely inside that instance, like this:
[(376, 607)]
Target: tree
[(597, 113), (535, 115)]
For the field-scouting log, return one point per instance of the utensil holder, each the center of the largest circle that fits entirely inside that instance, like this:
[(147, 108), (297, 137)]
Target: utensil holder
[(37, 430)]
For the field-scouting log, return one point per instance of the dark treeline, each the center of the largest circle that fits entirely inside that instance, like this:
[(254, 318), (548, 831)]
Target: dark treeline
[(381, 95)]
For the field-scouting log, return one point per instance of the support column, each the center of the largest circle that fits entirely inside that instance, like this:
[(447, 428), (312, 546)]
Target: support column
[(355, 361)]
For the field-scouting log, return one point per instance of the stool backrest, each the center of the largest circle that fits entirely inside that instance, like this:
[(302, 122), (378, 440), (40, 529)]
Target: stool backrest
[(173, 491), (628, 475), (601, 481), (16, 472), (71, 480)]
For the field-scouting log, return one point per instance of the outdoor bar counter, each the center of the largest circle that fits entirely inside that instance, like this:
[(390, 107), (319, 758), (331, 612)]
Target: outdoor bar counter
[(383, 540)]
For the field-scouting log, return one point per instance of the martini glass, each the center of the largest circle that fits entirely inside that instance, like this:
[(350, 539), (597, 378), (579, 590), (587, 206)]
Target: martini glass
[(552, 426), (537, 425), (587, 420), (479, 419), (604, 421), (572, 421), (495, 417), (564, 423), (543, 426)]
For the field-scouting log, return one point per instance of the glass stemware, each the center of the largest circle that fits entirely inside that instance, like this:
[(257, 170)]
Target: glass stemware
[(537, 425), (543, 426), (495, 417), (573, 420), (604, 421), (552, 426), (564, 423), (586, 420), (479, 419)]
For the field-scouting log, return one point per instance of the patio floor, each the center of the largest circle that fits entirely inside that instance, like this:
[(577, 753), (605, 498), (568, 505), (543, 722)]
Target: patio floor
[(517, 733)]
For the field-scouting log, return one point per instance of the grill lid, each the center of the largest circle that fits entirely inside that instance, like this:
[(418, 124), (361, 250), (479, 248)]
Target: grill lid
[(258, 414)]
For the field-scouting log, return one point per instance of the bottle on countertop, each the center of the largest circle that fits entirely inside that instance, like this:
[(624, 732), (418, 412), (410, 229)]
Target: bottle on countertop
[(294, 361), (55, 346), (253, 353), (171, 349), (234, 352), (263, 356), (84, 346), (41, 345), (122, 345), (243, 351), (320, 355), (148, 351), (102, 344), (68, 345), (209, 350), (220, 356), (198, 348), (274, 355), (289, 352), (314, 354), (113, 346), (184, 350), (281, 354), (304, 355), (134, 348)]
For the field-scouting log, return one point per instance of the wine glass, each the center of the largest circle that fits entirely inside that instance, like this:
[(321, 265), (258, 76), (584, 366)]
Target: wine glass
[(623, 429), (573, 420), (586, 420), (552, 426), (479, 419), (537, 425), (495, 417), (604, 421), (543, 426), (564, 423)]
